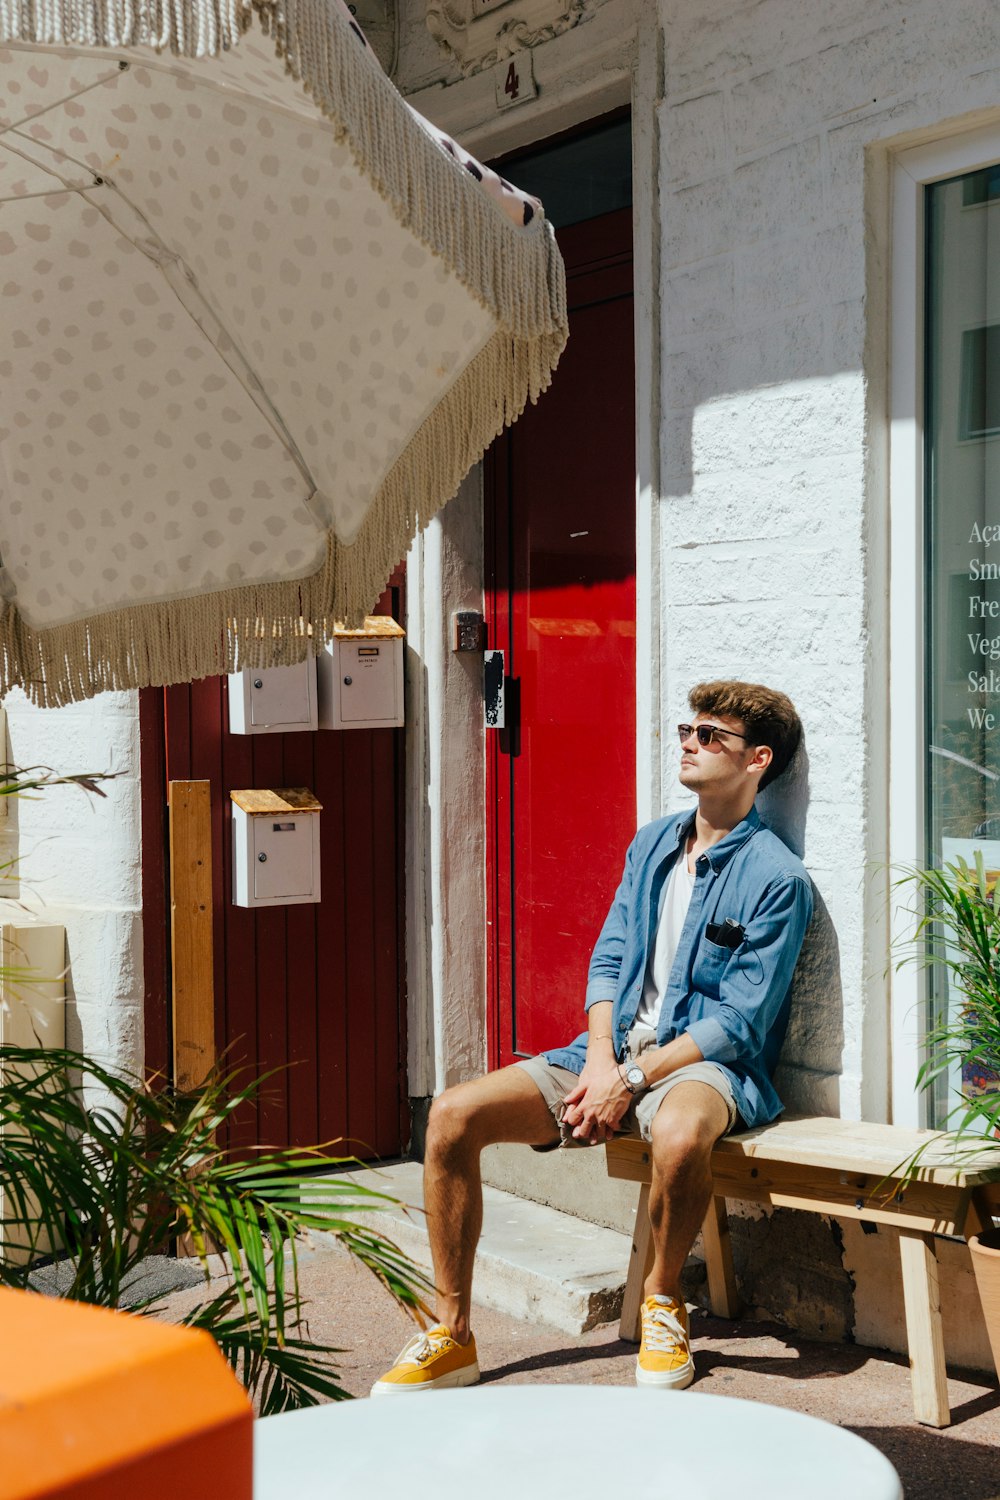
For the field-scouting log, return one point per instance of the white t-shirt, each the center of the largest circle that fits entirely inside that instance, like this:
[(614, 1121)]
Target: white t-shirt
[(676, 901)]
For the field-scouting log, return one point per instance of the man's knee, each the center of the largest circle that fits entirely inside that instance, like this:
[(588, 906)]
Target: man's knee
[(451, 1117), (683, 1139)]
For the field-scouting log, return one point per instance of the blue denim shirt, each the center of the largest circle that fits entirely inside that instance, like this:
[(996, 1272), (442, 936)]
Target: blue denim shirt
[(733, 1004)]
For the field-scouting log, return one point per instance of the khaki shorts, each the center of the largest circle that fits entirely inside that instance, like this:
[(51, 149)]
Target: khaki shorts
[(555, 1083)]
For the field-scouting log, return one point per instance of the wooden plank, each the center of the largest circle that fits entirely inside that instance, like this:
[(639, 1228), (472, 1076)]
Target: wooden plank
[(299, 766), (155, 887), (639, 1266), (831, 1150), (193, 990), (359, 936), (376, 628), (858, 1146), (717, 1245), (922, 1300), (938, 1207), (266, 802), (925, 1206)]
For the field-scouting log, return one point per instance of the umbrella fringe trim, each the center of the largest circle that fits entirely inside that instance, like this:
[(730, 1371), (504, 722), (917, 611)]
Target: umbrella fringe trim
[(277, 624), (498, 263)]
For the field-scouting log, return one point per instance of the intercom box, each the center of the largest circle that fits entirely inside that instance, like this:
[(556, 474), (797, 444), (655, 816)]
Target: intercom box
[(273, 700), (276, 846), (360, 677)]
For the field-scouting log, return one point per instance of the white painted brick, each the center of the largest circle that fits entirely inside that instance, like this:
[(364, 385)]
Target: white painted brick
[(779, 574), (694, 137), (818, 501), (777, 194), (814, 270), (79, 860), (715, 40), (773, 354), (699, 300), (813, 418), (796, 98)]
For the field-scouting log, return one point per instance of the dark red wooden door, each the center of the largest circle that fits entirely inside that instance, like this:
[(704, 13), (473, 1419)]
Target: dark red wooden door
[(560, 512), (314, 991)]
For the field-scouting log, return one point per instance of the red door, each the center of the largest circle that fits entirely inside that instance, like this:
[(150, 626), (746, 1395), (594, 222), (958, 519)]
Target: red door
[(314, 991), (560, 526)]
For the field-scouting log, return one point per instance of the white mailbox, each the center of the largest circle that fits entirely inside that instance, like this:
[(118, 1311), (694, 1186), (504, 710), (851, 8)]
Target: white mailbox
[(273, 700), (275, 847), (360, 677)]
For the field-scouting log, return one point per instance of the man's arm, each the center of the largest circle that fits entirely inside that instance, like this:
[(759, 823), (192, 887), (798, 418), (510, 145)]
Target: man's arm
[(606, 960)]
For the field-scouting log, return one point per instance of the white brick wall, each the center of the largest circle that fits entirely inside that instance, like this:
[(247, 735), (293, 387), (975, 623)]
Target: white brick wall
[(773, 196), (78, 862)]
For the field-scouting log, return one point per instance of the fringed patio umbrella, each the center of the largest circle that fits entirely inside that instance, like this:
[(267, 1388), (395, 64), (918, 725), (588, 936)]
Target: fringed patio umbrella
[(257, 321)]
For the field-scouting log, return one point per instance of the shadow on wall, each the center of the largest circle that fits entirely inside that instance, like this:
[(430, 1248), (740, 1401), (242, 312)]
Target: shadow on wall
[(808, 1073)]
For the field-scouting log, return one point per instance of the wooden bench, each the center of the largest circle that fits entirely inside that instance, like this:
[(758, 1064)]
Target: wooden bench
[(840, 1167)]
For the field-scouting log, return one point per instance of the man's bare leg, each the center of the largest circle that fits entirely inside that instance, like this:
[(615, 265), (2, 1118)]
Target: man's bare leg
[(686, 1127), (503, 1106)]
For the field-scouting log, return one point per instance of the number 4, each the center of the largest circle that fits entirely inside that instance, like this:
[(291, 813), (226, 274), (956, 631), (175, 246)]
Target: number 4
[(512, 86)]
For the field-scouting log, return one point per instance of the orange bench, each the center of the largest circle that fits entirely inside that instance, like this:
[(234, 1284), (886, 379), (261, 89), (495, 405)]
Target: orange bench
[(841, 1167)]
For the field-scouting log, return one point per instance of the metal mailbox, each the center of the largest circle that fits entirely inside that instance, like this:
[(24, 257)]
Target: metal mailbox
[(273, 700), (276, 849), (360, 677)]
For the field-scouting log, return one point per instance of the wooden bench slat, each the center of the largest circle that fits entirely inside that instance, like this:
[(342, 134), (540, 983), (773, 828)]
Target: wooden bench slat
[(877, 1151)]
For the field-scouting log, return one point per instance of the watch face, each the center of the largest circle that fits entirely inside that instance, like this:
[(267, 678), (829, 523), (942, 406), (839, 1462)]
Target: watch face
[(636, 1076)]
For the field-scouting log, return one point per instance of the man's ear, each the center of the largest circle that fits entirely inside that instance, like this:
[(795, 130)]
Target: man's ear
[(761, 757)]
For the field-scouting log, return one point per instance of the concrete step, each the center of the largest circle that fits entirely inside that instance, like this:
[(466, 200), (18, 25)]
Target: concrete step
[(576, 1182), (533, 1262)]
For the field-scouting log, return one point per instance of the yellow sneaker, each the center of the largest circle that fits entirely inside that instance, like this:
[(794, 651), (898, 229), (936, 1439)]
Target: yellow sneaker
[(431, 1361), (665, 1353)]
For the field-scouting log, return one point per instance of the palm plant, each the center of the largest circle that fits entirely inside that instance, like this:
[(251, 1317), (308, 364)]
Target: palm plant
[(99, 1170), (105, 1185), (956, 931)]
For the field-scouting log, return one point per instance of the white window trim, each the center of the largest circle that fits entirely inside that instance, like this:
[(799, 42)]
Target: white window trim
[(913, 170)]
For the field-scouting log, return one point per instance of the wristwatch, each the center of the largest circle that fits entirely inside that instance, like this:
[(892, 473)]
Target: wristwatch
[(633, 1078)]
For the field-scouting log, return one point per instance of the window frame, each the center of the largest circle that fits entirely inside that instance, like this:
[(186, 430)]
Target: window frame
[(914, 169)]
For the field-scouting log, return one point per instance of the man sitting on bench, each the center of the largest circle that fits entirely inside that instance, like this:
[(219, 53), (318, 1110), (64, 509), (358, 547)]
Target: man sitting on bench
[(687, 1004)]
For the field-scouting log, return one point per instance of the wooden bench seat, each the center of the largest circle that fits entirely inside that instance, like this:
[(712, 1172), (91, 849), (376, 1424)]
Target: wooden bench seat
[(842, 1167)]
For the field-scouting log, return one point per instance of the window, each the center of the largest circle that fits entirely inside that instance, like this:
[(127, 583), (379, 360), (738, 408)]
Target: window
[(948, 266), (944, 673)]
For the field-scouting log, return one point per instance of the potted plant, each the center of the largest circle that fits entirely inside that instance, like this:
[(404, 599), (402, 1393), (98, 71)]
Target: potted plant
[(100, 1170), (956, 932)]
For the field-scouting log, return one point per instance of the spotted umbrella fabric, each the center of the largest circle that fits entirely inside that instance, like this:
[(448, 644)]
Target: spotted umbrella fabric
[(257, 321)]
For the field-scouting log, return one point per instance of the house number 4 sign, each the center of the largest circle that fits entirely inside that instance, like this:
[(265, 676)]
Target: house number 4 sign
[(515, 80)]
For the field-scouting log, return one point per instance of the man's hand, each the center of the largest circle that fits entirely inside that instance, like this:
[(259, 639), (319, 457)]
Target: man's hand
[(595, 1107)]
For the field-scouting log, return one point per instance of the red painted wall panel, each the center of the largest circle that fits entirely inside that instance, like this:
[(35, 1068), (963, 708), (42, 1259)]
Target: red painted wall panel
[(315, 992)]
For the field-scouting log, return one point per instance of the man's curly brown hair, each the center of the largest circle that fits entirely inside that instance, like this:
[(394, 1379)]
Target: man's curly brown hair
[(769, 718)]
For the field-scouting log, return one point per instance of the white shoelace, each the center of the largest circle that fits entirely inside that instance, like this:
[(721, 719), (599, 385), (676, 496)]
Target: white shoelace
[(663, 1330), (423, 1345)]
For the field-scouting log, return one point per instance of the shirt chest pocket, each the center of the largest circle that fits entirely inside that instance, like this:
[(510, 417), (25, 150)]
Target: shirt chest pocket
[(709, 967)]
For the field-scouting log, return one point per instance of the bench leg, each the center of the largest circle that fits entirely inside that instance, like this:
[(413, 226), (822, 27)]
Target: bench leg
[(722, 1293), (639, 1265), (922, 1300)]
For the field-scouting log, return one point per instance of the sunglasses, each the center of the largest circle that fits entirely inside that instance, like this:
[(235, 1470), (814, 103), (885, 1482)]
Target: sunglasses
[(706, 733)]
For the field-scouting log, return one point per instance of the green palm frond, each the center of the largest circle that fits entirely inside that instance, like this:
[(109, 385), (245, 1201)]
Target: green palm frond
[(103, 1171)]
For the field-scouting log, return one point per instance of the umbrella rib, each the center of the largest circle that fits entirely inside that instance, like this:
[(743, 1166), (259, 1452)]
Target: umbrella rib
[(17, 125), (184, 287)]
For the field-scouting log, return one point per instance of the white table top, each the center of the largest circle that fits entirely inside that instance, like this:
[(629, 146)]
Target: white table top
[(586, 1442)]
